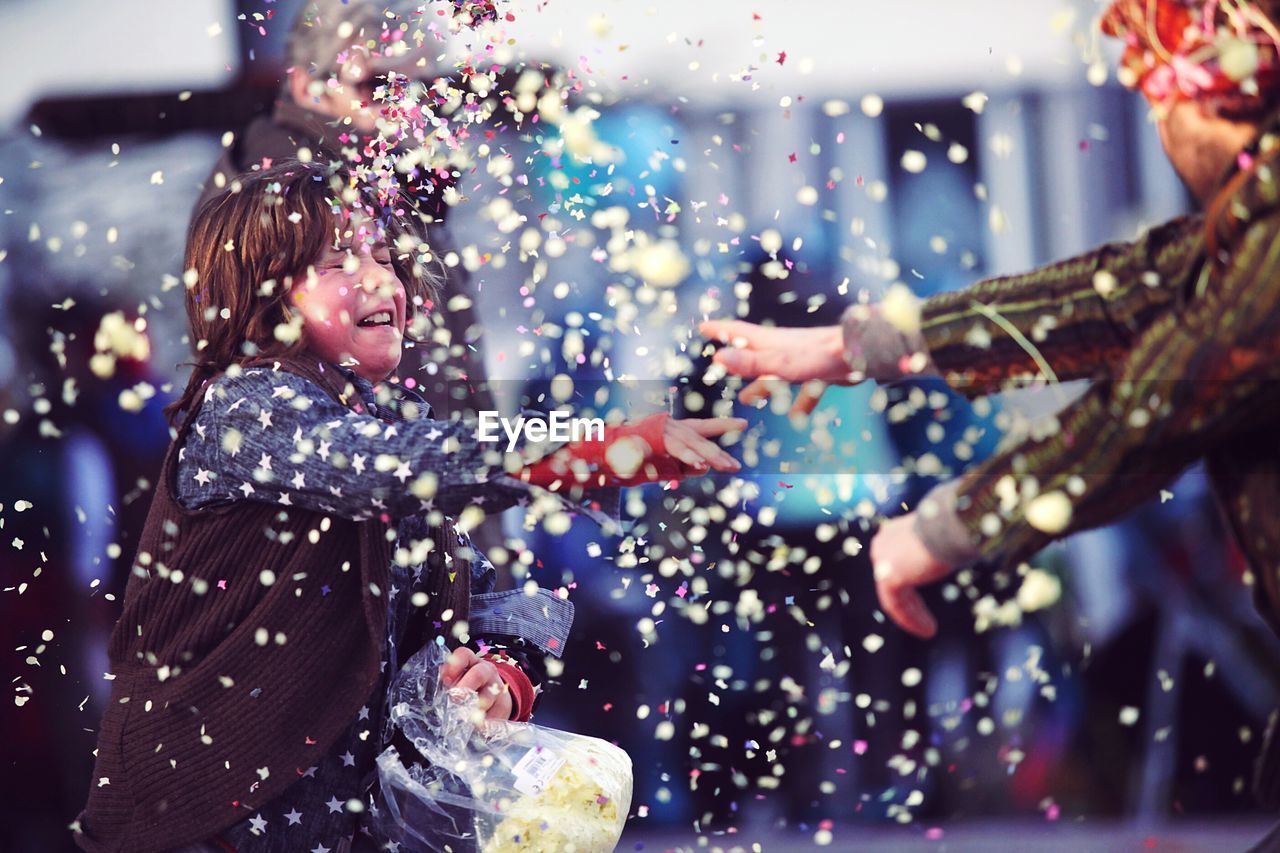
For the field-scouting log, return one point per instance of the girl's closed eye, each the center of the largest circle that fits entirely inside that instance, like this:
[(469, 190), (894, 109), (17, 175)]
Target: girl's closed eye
[(343, 262)]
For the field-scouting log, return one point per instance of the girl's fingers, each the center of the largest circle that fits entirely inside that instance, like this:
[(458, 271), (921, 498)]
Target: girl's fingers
[(907, 609), (501, 707), (689, 436), (459, 661), (711, 453), (677, 448), (483, 678)]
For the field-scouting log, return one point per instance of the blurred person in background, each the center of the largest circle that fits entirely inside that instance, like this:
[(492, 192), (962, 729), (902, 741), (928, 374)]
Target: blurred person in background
[(1178, 332), (75, 469)]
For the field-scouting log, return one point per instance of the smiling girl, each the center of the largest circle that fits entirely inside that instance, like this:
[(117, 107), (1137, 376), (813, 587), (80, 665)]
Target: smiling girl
[(300, 547)]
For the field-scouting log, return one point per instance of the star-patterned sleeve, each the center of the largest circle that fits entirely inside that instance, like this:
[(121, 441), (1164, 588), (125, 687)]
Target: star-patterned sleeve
[(1080, 315), (535, 619), (1194, 379), (274, 436)]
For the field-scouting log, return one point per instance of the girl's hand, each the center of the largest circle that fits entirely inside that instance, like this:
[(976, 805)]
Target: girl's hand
[(814, 356), (688, 440), (901, 563), (651, 450), (464, 668), (661, 448)]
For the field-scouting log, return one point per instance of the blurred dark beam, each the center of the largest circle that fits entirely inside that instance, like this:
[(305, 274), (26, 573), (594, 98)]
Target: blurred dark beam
[(152, 114)]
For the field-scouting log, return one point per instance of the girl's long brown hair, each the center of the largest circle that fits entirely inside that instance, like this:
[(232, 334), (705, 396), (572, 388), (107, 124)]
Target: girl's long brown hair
[(247, 245)]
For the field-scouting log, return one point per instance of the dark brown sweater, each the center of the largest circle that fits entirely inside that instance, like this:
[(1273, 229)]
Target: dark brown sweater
[(233, 671)]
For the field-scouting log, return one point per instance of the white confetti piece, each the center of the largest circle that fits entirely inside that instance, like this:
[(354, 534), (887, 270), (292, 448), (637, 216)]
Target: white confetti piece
[(914, 161), (1050, 512), (1039, 590)]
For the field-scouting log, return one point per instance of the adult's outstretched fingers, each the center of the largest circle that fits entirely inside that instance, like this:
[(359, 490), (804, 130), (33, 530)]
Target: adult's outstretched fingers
[(745, 362), (808, 398), (907, 609), (761, 389), (726, 331)]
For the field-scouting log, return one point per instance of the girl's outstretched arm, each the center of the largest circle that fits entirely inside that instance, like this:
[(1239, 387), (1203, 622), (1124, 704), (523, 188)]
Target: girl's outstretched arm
[(274, 436)]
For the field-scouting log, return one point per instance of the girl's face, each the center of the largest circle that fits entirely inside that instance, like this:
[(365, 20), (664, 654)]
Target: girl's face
[(353, 309)]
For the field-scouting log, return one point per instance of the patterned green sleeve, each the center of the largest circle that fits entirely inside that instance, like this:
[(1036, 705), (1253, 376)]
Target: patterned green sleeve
[(1194, 379), (1079, 316)]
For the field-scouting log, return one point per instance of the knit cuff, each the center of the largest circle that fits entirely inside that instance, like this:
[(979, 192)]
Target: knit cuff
[(520, 688), (939, 526), (876, 348)]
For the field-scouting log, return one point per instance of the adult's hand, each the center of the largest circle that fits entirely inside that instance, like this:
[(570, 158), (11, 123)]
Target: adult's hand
[(775, 356), (902, 563)]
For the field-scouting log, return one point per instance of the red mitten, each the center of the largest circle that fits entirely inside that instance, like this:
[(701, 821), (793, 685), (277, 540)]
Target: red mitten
[(611, 461)]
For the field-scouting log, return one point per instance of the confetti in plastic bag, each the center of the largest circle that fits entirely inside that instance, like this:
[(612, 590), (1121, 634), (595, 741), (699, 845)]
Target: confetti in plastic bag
[(499, 787)]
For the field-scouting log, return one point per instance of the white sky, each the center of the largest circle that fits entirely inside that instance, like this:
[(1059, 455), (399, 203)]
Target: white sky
[(847, 47), (86, 46), (866, 45)]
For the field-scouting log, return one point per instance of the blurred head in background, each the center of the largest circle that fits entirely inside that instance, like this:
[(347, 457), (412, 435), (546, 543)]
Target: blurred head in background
[(336, 52)]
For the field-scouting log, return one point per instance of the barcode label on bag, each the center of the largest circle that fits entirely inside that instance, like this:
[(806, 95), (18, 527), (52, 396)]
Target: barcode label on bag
[(535, 770)]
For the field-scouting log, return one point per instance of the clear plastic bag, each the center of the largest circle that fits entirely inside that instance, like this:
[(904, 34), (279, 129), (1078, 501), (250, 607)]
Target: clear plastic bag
[(494, 788)]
